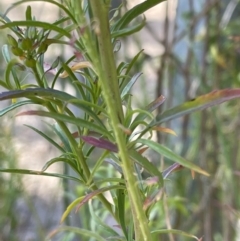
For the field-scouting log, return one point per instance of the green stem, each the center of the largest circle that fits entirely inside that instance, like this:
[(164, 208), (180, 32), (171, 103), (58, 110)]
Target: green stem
[(80, 158), (75, 149), (108, 78)]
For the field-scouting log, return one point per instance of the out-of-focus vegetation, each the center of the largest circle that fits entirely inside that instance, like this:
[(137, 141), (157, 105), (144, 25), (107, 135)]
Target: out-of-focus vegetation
[(201, 45), (10, 186), (202, 54)]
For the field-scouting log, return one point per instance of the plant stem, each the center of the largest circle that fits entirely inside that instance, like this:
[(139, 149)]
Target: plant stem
[(108, 79), (76, 150), (80, 158)]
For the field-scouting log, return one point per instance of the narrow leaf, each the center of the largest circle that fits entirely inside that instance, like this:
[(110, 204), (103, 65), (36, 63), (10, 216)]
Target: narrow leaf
[(14, 106), (114, 164), (100, 143), (52, 95), (70, 208), (101, 224), (108, 180), (97, 192), (6, 54), (47, 138), (120, 210), (155, 197), (36, 92), (202, 102), (147, 165), (62, 136), (128, 69), (134, 12), (129, 30), (73, 120), (173, 168), (174, 231), (149, 108), (129, 85), (171, 155), (156, 103), (39, 24), (39, 173), (55, 160), (61, 6), (79, 231), (96, 166), (164, 129)]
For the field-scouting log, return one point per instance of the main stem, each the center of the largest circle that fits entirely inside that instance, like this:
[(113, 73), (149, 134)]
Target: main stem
[(108, 78)]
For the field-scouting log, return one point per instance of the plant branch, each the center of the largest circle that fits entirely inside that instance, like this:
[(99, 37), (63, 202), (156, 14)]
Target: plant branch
[(108, 78), (76, 150)]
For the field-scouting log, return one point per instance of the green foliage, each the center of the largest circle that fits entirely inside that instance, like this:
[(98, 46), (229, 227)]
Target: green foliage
[(100, 96)]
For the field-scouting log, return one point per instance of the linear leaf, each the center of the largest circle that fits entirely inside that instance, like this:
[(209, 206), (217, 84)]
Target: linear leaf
[(36, 92), (174, 231), (14, 106), (82, 232), (97, 192), (52, 94), (96, 166), (173, 168), (129, 30), (100, 222), (202, 102), (100, 143), (147, 165), (62, 136), (70, 208), (171, 155), (39, 24), (165, 130), (109, 180), (39, 173), (134, 12), (129, 85), (120, 207), (47, 138), (55, 160), (128, 68), (73, 120), (156, 103), (61, 6), (6, 53)]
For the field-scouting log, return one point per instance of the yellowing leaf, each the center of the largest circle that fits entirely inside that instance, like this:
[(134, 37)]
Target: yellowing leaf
[(164, 129), (70, 208), (75, 67)]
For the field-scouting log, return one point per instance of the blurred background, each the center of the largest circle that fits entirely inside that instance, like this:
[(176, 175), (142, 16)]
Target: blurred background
[(190, 48)]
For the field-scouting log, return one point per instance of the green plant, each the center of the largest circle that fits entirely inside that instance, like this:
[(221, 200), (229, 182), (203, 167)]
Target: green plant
[(101, 95)]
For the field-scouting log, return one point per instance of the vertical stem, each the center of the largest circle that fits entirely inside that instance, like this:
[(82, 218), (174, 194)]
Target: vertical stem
[(108, 79)]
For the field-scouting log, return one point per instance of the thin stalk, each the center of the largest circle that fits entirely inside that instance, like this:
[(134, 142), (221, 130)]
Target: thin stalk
[(77, 152), (80, 158), (108, 78)]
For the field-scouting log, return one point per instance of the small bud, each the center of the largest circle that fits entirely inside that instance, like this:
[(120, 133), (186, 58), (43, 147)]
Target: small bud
[(28, 13), (31, 33), (42, 48), (17, 51), (26, 44), (31, 63), (12, 41)]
